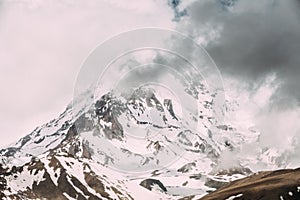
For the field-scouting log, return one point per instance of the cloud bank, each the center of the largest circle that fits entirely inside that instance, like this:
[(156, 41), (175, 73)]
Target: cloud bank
[(250, 40)]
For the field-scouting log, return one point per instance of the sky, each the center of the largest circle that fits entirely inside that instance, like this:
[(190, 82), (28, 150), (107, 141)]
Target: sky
[(43, 45), (254, 43)]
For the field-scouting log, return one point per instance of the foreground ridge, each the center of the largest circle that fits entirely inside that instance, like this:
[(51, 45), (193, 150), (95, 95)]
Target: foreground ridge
[(280, 184)]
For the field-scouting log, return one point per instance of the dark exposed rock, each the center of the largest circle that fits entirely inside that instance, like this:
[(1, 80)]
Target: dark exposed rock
[(46, 189), (150, 183), (184, 139), (86, 150), (94, 182), (25, 139), (10, 151), (148, 95), (39, 140), (235, 170), (169, 105), (191, 197), (83, 123), (116, 129), (83, 188), (156, 145), (108, 109), (225, 127), (196, 176), (187, 167), (54, 162), (75, 148), (34, 159), (72, 132), (212, 183)]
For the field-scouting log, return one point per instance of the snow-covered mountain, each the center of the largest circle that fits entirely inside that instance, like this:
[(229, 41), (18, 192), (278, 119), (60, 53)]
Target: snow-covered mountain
[(131, 146)]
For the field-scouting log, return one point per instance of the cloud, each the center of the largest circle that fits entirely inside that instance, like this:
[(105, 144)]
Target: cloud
[(277, 124), (256, 46), (251, 39)]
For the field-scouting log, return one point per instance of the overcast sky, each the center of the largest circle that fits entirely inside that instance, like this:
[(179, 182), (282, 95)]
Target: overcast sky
[(43, 44), (255, 44)]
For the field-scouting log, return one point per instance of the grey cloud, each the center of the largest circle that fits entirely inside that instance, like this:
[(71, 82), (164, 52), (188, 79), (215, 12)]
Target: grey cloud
[(256, 38)]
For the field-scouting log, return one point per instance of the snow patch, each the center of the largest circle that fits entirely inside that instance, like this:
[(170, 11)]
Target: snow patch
[(233, 197)]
